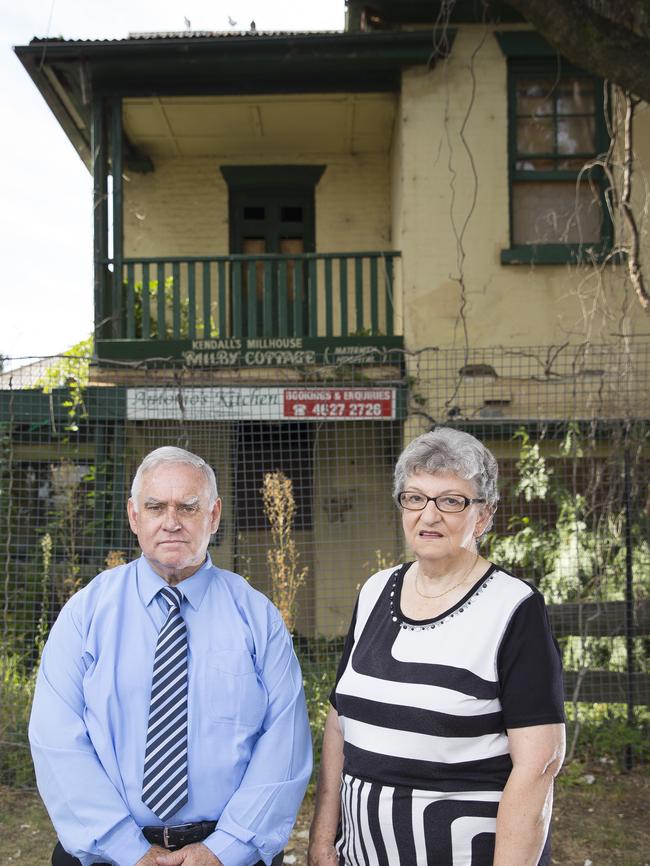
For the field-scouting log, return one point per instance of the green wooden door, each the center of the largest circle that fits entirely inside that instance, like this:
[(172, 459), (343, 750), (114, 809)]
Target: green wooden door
[(274, 291)]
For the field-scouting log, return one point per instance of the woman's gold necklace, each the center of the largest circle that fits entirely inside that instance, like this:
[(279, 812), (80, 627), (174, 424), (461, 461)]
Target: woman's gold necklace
[(447, 591)]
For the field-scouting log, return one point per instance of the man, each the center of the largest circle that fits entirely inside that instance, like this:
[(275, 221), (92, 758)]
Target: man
[(169, 723)]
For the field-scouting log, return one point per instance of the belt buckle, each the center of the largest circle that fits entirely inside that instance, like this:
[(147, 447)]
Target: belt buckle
[(176, 828)]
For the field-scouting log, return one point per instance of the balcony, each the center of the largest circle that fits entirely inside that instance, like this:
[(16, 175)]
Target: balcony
[(163, 307)]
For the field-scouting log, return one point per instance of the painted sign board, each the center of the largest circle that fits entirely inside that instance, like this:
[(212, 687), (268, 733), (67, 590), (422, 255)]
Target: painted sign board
[(261, 404), (324, 404), (235, 352)]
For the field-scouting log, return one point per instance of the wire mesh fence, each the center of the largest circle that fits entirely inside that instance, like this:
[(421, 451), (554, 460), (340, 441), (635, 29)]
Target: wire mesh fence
[(568, 425)]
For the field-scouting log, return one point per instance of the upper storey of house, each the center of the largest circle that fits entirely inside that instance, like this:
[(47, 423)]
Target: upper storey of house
[(277, 199)]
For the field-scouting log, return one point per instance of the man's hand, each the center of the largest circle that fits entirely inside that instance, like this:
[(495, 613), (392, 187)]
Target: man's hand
[(190, 855), (322, 855), (149, 858)]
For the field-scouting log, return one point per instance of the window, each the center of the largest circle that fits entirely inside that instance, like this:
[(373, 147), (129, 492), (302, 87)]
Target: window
[(556, 120)]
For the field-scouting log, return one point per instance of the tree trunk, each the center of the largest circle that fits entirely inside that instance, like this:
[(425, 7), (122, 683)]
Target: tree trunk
[(598, 44)]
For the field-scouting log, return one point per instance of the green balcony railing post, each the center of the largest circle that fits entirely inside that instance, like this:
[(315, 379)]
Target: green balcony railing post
[(251, 296), (207, 312), (329, 311), (130, 301), (283, 299), (160, 302), (191, 300), (221, 276), (145, 302), (343, 295), (176, 295), (237, 329), (298, 297), (267, 299), (374, 297), (313, 299), (358, 292)]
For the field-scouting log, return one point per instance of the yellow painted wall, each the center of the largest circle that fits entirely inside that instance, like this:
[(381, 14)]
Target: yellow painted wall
[(444, 234), (182, 207)]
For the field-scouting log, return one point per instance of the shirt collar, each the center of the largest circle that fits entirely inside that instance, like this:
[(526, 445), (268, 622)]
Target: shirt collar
[(193, 588)]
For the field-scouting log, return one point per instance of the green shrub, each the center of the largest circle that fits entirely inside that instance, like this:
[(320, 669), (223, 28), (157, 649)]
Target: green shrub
[(605, 735), (16, 692), (319, 659)]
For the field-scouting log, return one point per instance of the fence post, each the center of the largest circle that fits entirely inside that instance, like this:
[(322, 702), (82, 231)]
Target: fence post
[(629, 597)]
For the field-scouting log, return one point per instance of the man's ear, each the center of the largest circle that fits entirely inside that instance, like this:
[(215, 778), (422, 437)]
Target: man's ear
[(133, 516), (215, 516)]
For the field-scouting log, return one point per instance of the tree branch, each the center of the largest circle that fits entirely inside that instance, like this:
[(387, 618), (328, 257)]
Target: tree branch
[(634, 266), (592, 41)]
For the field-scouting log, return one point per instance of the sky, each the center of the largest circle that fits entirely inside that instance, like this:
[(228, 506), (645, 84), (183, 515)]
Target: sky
[(46, 287)]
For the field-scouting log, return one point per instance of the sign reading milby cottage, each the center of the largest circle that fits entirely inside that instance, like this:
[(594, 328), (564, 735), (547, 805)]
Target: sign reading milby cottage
[(234, 352), (261, 404)]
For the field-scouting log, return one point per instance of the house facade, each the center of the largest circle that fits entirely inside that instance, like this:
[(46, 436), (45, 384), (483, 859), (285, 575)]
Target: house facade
[(309, 247)]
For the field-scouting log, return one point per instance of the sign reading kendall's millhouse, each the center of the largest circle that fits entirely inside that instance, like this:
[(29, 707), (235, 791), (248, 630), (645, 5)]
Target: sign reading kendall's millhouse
[(232, 352)]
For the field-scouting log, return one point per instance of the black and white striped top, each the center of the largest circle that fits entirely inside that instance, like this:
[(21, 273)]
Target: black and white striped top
[(426, 705)]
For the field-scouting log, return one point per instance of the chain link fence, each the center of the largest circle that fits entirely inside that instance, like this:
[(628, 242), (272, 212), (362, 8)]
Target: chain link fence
[(568, 425)]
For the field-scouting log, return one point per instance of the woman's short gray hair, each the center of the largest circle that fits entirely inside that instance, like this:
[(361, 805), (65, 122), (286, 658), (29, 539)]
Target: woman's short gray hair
[(447, 450), (170, 454)]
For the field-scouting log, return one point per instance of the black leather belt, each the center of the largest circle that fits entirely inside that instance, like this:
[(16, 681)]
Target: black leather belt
[(176, 837)]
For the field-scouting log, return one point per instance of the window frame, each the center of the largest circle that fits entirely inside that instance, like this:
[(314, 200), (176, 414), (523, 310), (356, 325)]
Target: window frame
[(538, 63)]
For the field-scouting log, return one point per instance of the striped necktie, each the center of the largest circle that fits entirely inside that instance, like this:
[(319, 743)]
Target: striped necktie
[(164, 785)]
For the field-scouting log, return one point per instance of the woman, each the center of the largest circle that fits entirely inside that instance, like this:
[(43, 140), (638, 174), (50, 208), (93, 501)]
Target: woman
[(446, 727)]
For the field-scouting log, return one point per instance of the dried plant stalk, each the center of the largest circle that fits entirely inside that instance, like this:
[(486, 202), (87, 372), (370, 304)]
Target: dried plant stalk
[(282, 557), (115, 558)]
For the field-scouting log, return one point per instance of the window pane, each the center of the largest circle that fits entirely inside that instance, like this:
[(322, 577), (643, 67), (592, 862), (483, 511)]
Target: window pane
[(552, 212), (290, 214), (252, 212), (576, 96), (535, 135), (576, 135), (534, 96), (540, 164)]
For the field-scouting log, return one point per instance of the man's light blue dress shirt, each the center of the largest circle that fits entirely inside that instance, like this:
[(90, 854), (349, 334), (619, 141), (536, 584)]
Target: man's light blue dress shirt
[(249, 743)]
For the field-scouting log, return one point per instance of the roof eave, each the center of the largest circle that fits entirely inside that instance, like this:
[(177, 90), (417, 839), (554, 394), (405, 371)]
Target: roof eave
[(291, 63)]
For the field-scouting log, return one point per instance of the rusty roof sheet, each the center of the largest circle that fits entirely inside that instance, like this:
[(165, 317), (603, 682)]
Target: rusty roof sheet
[(195, 34)]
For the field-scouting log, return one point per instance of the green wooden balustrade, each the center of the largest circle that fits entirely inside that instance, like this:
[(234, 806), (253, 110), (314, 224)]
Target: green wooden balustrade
[(298, 295)]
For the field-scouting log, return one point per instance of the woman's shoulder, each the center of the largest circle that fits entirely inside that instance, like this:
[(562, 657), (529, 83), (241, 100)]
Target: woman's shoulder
[(515, 587), (374, 585), (379, 579)]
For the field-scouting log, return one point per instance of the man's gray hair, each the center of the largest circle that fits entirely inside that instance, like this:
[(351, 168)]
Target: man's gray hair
[(169, 454), (447, 450)]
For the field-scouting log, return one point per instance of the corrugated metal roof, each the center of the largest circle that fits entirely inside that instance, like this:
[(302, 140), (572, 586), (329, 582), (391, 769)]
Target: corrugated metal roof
[(195, 34), (225, 34), (28, 375)]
